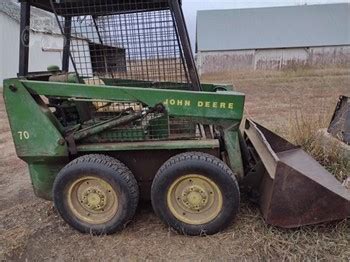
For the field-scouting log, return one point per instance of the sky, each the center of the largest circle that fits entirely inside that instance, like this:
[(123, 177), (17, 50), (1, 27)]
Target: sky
[(191, 7)]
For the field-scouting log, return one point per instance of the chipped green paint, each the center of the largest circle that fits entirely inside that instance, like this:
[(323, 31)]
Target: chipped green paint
[(222, 105), (35, 135), (43, 175)]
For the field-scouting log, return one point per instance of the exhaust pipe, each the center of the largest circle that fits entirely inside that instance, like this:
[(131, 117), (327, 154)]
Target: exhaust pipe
[(293, 188)]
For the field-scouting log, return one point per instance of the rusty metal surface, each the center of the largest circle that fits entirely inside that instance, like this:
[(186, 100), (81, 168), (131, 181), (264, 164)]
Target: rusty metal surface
[(295, 190), (260, 137), (340, 123)]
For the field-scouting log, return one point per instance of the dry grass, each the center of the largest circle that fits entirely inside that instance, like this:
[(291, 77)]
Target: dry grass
[(283, 101), (304, 131)]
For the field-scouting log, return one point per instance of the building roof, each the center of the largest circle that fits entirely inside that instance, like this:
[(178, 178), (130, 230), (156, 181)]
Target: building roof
[(41, 21), (275, 27)]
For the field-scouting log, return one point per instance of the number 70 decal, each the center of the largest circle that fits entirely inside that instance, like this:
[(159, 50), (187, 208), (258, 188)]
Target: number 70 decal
[(23, 135)]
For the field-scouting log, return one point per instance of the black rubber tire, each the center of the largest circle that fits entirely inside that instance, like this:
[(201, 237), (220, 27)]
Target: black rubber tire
[(206, 165), (116, 174)]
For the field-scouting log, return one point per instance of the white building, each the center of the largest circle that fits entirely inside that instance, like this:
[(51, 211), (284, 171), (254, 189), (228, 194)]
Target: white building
[(273, 38), (46, 41)]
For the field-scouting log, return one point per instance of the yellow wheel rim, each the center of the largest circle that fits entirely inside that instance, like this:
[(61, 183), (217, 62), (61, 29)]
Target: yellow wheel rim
[(92, 200), (194, 199)]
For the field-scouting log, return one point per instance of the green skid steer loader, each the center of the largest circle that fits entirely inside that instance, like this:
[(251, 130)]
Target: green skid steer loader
[(126, 118)]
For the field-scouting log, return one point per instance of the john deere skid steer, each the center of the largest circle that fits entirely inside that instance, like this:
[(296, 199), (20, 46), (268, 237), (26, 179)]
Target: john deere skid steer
[(127, 118)]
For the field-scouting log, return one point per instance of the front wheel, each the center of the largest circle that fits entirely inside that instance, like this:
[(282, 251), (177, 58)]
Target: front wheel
[(195, 193), (96, 194)]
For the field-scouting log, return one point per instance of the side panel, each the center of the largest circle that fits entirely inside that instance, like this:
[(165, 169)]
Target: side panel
[(42, 176), (35, 136)]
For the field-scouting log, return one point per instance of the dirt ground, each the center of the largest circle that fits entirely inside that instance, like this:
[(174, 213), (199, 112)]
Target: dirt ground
[(30, 228)]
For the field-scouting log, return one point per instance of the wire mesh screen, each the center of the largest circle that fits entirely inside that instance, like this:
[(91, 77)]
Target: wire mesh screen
[(126, 42)]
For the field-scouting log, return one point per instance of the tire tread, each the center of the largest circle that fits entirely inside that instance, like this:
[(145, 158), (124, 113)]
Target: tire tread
[(115, 165), (176, 161)]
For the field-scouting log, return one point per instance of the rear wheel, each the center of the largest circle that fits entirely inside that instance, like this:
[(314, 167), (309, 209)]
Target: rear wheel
[(195, 193), (96, 194)]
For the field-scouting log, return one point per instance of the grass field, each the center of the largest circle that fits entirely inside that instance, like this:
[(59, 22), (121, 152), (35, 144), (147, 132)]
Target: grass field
[(31, 229)]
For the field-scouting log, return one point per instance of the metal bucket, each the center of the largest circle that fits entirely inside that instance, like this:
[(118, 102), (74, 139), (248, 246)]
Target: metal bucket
[(293, 188)]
